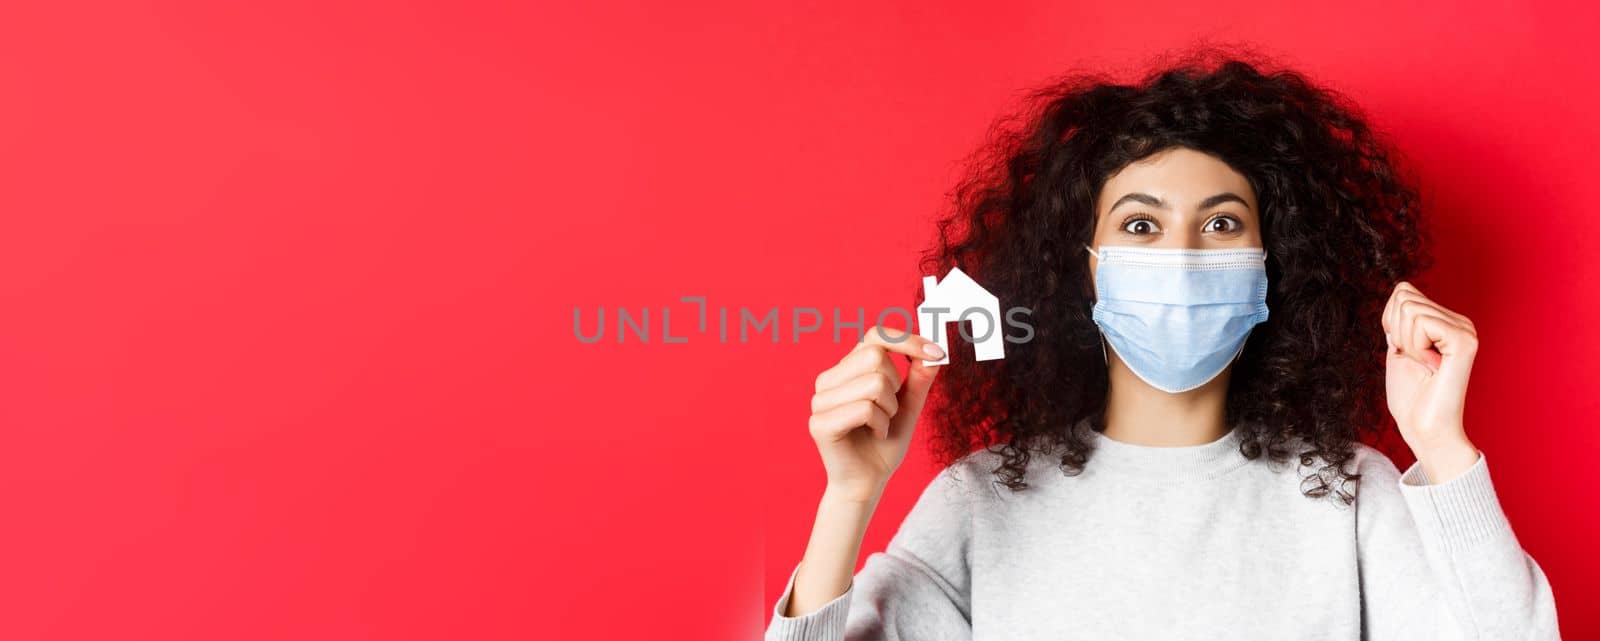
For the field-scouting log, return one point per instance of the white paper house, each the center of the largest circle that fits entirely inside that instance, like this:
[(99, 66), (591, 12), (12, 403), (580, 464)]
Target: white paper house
[(959, 295)]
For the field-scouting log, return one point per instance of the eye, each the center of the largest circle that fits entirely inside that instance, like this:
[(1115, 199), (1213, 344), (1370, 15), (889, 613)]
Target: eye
[(1224, 224), (1140, 225)]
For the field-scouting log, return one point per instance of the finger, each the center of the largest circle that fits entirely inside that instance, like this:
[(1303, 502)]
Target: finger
[(903, 342), (1407, 308), (837, 423), (1404, 298), (1390, 320), (1408, 292), (1416, 341), (1423, 328), (859, 361), (1455, 344), (1417, 303), (913, 395), (873, 386), (919, 377)]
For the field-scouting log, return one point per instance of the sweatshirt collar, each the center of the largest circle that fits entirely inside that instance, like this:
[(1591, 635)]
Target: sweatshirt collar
[(1205, 460)]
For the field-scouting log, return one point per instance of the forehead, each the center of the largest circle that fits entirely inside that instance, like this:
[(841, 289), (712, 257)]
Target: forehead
[(1180, 175)]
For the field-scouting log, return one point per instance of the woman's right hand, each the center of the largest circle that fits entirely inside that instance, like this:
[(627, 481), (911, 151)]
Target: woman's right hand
[(863, 412)]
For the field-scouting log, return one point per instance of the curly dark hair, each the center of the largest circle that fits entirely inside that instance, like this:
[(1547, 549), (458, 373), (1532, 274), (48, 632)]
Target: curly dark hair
[(1340, 225)]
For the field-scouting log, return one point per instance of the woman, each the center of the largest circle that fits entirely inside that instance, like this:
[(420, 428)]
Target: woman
[(1216, 260)]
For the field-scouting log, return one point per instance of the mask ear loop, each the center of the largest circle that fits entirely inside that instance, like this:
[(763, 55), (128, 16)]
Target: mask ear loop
[(1103, 355), (1252, 329)]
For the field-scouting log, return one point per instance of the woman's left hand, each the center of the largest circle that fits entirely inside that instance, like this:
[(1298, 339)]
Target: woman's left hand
[(1430, 358)]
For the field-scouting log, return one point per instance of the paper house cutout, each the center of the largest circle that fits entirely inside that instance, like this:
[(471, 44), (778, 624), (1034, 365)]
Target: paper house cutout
[(959, 295)]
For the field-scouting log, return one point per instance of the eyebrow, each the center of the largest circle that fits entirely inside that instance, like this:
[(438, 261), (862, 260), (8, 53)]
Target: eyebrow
[(1152, 201)]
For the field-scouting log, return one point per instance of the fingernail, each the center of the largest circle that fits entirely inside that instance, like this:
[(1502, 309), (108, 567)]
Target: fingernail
[(933, 351)]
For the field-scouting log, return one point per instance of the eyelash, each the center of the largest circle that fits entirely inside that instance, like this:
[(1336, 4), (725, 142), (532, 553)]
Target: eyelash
[(1238, 224), (1135, 218)]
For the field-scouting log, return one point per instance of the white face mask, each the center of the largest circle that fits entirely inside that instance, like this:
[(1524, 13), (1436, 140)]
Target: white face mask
[(1178, 317)]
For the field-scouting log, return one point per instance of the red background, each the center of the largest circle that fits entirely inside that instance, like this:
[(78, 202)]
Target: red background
[(287, 335)]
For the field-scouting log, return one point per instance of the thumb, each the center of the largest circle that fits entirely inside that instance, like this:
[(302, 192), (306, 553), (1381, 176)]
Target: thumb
[(912, 396)]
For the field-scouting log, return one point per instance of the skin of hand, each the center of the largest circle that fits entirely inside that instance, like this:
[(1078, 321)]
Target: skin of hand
[(862, 418), (1429, 361), (865, 389)]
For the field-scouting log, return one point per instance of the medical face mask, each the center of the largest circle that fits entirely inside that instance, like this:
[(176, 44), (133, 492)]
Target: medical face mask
[(1178, 317)]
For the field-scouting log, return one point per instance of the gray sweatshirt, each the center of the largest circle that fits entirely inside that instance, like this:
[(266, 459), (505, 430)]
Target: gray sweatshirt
[(1192, 542)]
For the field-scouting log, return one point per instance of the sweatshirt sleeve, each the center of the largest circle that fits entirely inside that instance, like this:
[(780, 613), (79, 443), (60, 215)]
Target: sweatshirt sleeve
[(1440, 561), (917, 589)]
